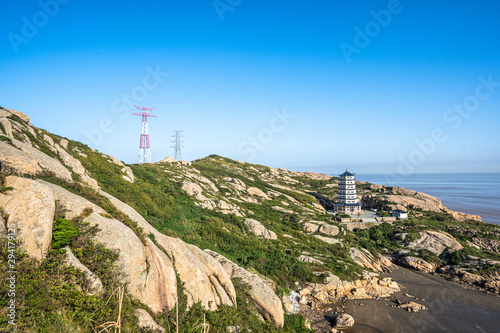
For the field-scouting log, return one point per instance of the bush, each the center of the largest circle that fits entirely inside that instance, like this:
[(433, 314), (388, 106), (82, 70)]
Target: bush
[(430, 257), (63, 231)]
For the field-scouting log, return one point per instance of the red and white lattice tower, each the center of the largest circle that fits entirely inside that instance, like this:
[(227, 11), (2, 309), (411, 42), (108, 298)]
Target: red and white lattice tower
[(144, 151)]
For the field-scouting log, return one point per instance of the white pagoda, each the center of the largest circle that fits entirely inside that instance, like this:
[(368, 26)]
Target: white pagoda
[(347, 199)]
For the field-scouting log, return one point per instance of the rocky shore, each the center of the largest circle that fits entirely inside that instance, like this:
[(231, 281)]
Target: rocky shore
[(438, 306)]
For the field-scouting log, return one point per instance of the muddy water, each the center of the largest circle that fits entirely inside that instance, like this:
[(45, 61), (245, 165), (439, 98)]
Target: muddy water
[(451, 308)]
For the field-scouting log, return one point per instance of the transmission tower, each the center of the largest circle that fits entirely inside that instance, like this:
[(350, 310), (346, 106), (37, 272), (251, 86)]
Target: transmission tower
[(177, 145), (144, 151)]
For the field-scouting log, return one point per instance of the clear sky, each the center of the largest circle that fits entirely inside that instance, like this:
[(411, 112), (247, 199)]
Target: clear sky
[(374, 86)]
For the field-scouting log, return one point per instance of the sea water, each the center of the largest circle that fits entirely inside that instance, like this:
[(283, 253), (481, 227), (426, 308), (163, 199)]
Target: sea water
[(471, 193)]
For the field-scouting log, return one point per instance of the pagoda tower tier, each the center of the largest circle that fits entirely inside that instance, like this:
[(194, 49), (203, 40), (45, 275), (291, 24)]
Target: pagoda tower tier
[(347, 198)]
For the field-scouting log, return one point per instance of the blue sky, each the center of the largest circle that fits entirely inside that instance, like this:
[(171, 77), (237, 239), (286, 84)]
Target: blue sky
[(281, 83)]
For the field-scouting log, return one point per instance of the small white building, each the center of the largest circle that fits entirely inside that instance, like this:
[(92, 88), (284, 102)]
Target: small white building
[(400, 214)]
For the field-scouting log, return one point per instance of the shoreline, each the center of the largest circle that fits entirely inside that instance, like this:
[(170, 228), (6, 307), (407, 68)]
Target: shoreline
[(452, 308), (470, 188)]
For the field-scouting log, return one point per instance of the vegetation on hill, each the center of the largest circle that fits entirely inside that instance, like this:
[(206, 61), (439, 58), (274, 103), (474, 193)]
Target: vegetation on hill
[(51, 295)]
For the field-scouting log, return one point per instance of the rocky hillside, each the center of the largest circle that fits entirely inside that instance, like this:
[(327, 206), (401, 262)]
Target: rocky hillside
[(219, 239)]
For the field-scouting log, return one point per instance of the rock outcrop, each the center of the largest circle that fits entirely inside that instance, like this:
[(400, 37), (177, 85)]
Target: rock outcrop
[(95, 284), (321, 227), (25, 159), (412, 307), (149, 275), (404, 199), (75, 165), (257, 192), (328, 230), (146, 322), (8, 114), (211, 287), (310, 227), (436, 242), (30, 207), (147, 270), (343, 321), (417, 264), (371, 286), (365, 259), (266, 301), (327, 239), (256, 228), (310, 260)]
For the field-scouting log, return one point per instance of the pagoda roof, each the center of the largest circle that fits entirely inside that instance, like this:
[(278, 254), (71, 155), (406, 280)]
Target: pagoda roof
[(347, 173)]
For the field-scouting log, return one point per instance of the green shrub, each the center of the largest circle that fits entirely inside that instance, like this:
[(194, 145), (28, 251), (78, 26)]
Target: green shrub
[(430, 257), (411, 237), (63, 232)]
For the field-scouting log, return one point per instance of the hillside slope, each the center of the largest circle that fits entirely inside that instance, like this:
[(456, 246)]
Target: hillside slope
[(220, 238)]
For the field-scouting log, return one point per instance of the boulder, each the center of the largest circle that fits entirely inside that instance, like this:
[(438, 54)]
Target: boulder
[(194, 189), (317, 176), (7, 127), (48, 139), (72, 203), (311, 260), (329, 230), (364, 258), (148, 273), (168, 159), (64, 143), (30, 206), (8, 112), (266, 301), (376, 187), (128, 174), (25, 159), (412, 307), (463, 216), (17, 160), (327, 239), (238, 184), (257, 192), (210, 287), (318, 206), (436, 242), (287, 303), (95, 284), (370, 286), (310, 227), (256, 228), (418, 264), (343, 321), (146, 322), (75, 165), (283, 210)]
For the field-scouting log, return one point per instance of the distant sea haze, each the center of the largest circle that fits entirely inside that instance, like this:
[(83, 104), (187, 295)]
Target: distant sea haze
[(471, 193)]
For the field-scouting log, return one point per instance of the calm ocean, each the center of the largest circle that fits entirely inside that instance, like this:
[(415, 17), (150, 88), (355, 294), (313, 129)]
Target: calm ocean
[(471, 193)]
